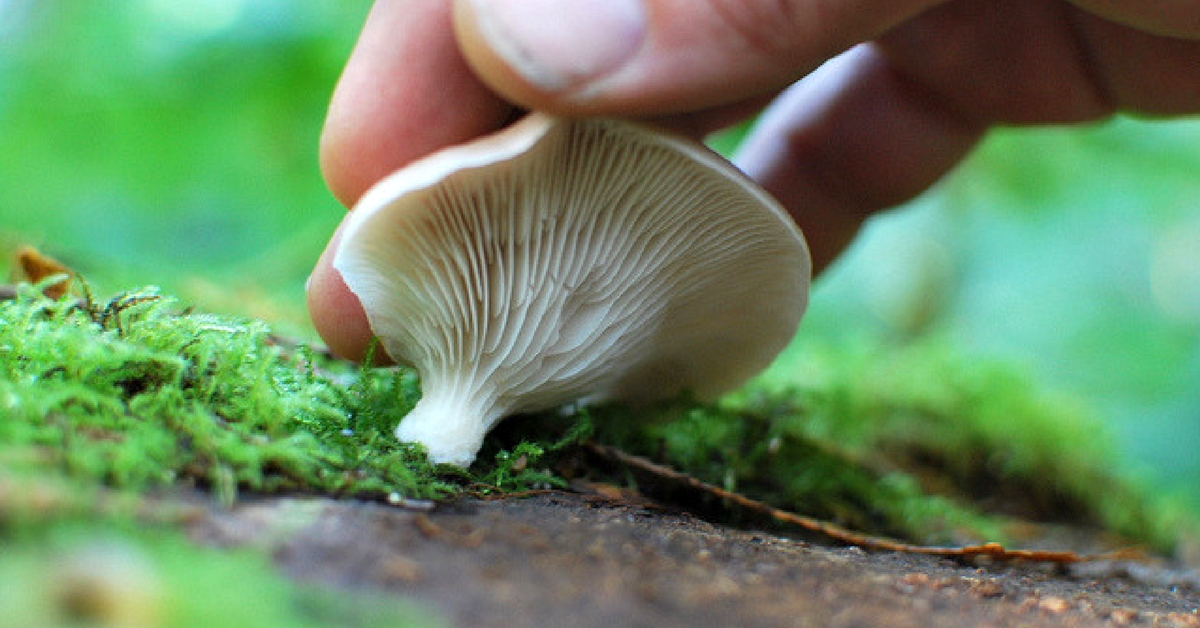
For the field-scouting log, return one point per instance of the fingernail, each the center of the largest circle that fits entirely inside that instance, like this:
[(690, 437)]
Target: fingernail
[(560, 44)]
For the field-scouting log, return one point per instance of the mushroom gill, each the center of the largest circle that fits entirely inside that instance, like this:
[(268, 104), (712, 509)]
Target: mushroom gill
[(563, 260)]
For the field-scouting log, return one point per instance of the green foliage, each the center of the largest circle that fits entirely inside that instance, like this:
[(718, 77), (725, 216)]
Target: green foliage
[(137, 394)]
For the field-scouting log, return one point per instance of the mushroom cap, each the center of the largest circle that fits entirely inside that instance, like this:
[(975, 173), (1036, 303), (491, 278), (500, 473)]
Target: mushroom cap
[(561, 260)]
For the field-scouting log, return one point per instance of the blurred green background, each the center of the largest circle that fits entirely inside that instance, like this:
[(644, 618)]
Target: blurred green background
[(174, 143)]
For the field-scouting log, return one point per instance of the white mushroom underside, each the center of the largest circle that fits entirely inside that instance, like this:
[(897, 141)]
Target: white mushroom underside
[(509, 291)]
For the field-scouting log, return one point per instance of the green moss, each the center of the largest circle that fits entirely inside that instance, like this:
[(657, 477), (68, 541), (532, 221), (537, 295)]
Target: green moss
[(908, 440), (137, 393), (912, 441)]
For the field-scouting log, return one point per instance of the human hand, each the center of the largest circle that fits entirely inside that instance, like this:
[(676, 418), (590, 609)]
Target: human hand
[(870, 129)]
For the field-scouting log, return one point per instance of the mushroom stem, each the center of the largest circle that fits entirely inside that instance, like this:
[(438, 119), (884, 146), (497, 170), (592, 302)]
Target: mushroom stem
[(449, 424)]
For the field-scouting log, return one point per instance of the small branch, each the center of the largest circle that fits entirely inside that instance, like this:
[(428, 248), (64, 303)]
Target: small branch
[(993, 551)]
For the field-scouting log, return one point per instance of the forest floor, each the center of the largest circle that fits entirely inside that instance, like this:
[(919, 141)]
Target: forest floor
[(609, 558)]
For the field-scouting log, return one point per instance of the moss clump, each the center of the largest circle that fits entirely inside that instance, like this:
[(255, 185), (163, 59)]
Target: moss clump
[(138, 393), (912, 441)]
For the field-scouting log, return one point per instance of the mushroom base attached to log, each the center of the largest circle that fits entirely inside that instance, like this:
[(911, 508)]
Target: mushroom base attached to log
[(562, 260)]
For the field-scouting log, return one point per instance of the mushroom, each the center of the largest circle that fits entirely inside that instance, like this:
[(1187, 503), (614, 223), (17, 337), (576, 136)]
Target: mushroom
[(564, 260)]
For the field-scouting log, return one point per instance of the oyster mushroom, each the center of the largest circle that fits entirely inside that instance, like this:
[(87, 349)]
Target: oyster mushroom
[(568, 260)]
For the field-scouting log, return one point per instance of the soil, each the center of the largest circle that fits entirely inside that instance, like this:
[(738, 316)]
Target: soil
[(582, 560)]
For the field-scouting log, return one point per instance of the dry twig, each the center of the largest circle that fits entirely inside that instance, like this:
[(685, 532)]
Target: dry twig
[(991, 551)]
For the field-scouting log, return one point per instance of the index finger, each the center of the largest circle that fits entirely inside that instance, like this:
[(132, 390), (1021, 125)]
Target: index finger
[(405, 92)]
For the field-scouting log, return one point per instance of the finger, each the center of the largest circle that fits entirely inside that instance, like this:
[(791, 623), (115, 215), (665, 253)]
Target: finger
[(852, 138), (336, 312), (405, 92), (1140, 72), (983, 71), (1172, 18), (654, 57), (1069, 65)]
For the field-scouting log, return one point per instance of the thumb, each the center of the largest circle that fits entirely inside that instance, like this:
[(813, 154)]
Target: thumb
[(654, 57)]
